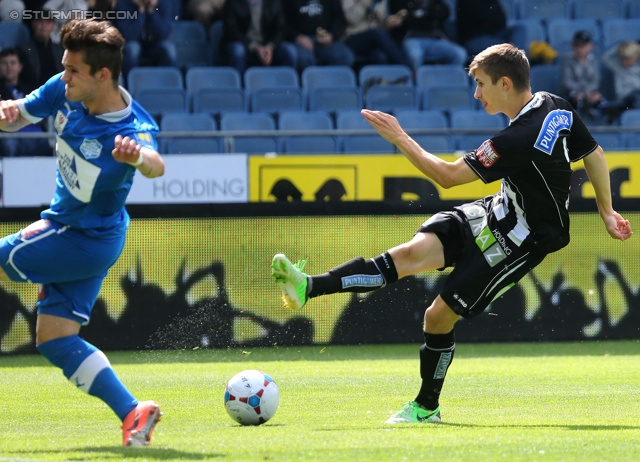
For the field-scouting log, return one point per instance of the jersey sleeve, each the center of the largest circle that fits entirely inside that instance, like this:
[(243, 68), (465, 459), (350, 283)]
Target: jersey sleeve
[(42, 102), (581, 143), (495, 158)]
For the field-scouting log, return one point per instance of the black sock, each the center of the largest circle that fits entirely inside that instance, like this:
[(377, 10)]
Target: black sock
[(357, 275), (435, 357)]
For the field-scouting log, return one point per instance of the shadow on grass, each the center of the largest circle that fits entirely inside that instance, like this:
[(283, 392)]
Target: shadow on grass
[(558, 426), (122, 453)]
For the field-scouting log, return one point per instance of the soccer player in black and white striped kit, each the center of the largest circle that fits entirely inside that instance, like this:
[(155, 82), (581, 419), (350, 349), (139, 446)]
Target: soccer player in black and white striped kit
[(490, 243)]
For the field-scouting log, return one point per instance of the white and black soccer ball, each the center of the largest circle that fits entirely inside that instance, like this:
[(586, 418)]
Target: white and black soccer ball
[(251, 397)]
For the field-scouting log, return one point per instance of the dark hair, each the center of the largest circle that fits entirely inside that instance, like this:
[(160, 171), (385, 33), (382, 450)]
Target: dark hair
[(504, 60), (10, 51), (100, 42)]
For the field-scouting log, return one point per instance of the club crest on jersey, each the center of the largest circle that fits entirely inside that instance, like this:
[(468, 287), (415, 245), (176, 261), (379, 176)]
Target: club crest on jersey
[(486, 154), (60, 122), (91, 149), (553, 124)]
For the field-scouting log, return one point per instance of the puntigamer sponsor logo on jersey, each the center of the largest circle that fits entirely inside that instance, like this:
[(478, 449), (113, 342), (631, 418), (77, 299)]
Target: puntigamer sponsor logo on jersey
[(553, 124)]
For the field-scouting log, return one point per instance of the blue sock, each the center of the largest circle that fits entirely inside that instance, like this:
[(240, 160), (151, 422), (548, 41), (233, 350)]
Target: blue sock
[(89, 369)]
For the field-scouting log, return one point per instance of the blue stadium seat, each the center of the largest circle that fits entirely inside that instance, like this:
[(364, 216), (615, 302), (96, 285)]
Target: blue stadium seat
[(217, 101), (561, 31), (334, 99), (360, 143), (212, 77), (276, 76), (389, 72), (328, 76), (475, 120), (599, 9), (193, 53), (431, 119), (510, 9), (610, 141), (251, 122), (13, 33), (534, 31), (630, 119), (616, 30), (544, 9), (441, 74), (158, 101), (546, 77), (307, 144), (448, 97), (389, 98), (145, 77), (633, 9), (277, 99), (215, 37), (179, 122), (187, 30)]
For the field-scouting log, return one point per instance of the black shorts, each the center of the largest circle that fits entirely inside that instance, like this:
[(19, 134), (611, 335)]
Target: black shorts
[(485, 265)]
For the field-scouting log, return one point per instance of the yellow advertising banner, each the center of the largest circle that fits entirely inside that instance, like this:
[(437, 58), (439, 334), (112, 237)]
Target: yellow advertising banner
[(391, 177)]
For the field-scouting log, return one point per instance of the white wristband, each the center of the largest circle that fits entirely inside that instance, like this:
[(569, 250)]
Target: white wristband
[(138, 162)]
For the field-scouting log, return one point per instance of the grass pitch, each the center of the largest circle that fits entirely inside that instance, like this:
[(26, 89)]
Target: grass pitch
[(517, 402)]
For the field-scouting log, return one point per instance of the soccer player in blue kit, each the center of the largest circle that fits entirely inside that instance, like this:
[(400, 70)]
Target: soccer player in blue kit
[(102, 137), (490, 243)]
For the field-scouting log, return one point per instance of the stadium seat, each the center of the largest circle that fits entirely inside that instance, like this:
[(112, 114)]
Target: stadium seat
[(187, 30), (369, 74), (334, 99), (158, 101), (431, 119), (475, 120), (13, 33), (448, 97), (328, 76), (510, 9), (217, 101), (389, 98), (610, 141), (633, 9), (439, 74), (212, 77), (276, 99), (251, 122), (598, 9), (616, 30), (308, 143), (631, 119), (193, 53), (185, 122), (534, 31), (215, 37), (544, 9), (146, 77), (546, 77), (276, 76), (360, 143), (561, 31)]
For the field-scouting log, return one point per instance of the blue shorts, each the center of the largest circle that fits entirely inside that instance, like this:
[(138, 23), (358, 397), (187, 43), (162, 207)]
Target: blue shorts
[(68, 264)]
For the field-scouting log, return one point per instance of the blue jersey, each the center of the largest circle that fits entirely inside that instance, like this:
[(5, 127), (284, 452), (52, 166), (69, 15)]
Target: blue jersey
[(91, 186)]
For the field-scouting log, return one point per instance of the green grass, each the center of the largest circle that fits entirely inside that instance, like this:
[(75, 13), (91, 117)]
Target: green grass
[(518, 402)]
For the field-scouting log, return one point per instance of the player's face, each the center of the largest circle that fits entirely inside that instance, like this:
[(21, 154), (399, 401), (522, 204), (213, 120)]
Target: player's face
[(489, 94), (82, 85)]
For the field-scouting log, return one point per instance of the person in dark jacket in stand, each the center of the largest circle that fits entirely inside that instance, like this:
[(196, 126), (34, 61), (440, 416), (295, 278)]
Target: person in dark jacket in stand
[(253, 35)]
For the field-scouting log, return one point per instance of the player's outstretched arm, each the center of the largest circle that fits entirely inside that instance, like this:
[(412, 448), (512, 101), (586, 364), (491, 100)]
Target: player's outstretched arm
[(148, 161), (10, 118), (446, 174), (598, 172)]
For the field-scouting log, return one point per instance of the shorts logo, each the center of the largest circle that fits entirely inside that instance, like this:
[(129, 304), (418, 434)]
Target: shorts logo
[(486, 154), (553, 124)]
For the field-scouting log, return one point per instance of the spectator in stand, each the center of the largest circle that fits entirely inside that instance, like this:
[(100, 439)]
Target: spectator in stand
[(367, 36), (316, 27), (147, 34), (205, 11), (8, 6), (253, 35), (66, 6), (42, 56), (422, 33), (483, 23), (14, 88), (623, 61), (581, 77)]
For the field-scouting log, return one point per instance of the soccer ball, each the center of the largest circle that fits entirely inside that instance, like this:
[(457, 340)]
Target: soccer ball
[(251, 397)]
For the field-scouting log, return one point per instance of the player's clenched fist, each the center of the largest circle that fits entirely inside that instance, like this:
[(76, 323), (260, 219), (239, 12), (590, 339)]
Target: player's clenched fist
[(9, 111)]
